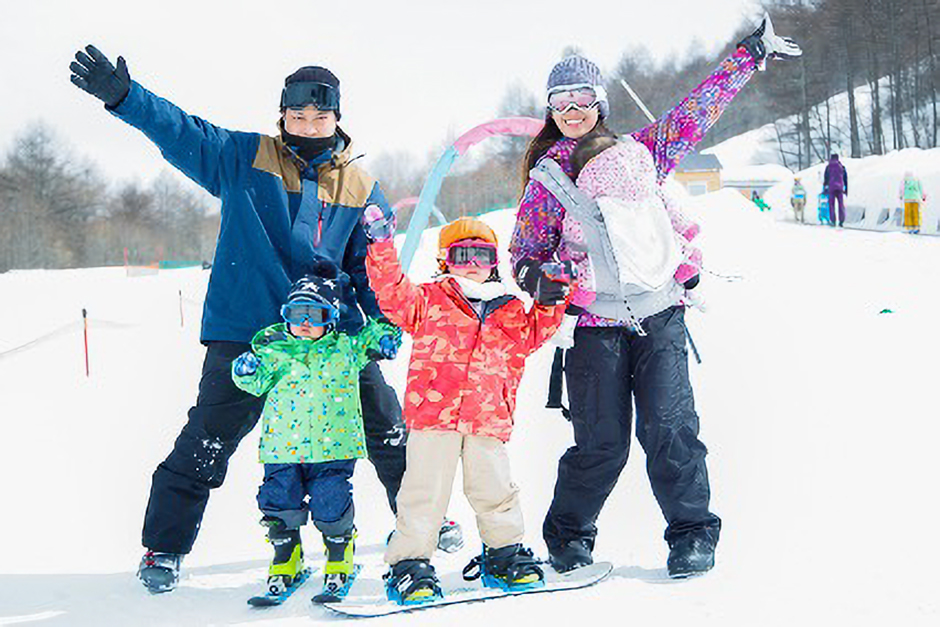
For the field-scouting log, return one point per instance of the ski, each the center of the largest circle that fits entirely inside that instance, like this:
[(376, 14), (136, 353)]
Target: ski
[(270, 598), (371, 606), (333, 591)]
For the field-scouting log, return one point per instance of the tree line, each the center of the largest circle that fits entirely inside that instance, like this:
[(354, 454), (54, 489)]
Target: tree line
[(867, 84), (57, 211)]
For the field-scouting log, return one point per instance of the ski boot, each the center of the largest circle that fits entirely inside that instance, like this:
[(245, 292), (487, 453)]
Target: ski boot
[(450, 537), (691, 554), (508, 568), (412, 582), (572, 554), (159, 572), (288, 561), (339, 565)]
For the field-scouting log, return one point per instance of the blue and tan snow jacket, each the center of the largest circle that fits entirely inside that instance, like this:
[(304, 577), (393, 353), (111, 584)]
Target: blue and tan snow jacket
[(279, 215)]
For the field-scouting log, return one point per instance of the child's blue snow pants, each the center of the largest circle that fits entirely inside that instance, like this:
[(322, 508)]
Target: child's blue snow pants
[(289, 491)]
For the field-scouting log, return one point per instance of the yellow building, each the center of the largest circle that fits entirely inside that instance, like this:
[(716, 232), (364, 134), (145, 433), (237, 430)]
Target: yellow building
[(699, 174)]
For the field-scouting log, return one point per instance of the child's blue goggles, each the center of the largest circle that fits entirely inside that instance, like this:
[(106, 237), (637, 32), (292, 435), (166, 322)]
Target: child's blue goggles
[(298, 312)]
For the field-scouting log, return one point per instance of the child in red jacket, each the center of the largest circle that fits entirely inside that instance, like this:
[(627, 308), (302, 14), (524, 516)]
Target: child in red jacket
[(471, 339)]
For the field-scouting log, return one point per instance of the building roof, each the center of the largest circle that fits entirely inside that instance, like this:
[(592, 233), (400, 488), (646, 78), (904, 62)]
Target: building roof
[(697, 162)]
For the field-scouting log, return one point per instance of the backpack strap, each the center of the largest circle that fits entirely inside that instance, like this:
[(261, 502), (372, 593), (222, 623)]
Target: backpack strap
[(556, 383), (553, 178)]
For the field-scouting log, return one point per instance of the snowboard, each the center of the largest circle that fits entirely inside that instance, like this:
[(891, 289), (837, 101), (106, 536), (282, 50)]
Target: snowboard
[(331, 595), (269, 599), (375, 605)]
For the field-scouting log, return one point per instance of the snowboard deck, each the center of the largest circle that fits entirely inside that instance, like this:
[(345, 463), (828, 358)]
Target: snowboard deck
[(337, 596), (373, 605), (269, 600)]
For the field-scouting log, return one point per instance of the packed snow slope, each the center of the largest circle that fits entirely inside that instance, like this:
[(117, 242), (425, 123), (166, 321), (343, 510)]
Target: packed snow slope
[(817, 394)]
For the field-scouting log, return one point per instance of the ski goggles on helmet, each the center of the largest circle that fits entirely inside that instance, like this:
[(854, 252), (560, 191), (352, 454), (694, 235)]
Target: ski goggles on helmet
[(566, 97), (315, 314), (472, 254), (299, 95)]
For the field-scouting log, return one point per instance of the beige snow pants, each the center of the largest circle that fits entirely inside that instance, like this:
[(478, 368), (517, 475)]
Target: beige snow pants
[(430, 466)]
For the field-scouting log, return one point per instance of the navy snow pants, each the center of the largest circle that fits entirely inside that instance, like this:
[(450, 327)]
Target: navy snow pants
[(607, 369), (324, 489), (222, 416)]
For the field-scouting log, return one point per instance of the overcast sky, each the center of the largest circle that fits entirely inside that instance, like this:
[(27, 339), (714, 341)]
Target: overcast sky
[(412, 73)]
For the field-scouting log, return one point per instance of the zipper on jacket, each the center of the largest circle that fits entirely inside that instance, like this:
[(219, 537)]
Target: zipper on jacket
[(319, 237)]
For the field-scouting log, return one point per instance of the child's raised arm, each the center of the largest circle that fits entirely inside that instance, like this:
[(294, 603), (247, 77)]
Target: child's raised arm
[(403, 302)]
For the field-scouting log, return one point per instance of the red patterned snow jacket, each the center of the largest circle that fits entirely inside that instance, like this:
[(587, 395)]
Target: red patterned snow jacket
[(465, 368)]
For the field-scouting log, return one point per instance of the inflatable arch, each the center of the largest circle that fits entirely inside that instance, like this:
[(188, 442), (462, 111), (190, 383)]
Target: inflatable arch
[(518, 127)]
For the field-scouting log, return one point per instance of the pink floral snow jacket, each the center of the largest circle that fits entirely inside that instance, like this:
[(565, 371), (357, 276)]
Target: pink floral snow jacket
[(541, 231)]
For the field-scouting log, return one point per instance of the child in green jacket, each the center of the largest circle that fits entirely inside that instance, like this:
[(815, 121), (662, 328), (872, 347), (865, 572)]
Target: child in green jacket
[(312, 431)]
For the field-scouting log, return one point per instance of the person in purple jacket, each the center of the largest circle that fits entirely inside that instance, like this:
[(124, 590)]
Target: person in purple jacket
[(616, 362), (836, 180)]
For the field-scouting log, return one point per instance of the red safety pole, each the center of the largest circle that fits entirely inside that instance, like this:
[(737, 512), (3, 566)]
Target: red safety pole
[(85, 321)]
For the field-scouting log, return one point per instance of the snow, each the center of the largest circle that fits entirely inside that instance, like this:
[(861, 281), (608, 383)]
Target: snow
[(818, 409)]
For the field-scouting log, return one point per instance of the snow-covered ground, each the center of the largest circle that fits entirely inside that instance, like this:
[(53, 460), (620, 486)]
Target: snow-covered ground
[(817, 398)]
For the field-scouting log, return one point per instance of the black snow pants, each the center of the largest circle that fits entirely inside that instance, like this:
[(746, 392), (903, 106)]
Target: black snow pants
[(223, 415), (605, 369)]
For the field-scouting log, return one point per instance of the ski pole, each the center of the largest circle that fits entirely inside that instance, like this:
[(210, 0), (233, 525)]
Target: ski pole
[(637, 100), (692, 344)]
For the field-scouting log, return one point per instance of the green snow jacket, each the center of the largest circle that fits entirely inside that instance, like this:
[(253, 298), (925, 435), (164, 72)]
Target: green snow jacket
[(911, 190), (312, 412)]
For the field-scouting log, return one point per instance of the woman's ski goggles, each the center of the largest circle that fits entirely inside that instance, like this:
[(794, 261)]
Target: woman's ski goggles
[(298, 312), (574, 97), (472, 255), (299, 95)]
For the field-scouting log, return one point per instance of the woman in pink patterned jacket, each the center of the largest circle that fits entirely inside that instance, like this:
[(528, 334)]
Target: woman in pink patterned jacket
[(613, 364)]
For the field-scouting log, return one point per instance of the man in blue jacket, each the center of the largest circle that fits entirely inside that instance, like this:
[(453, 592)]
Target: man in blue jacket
[(287, 201)]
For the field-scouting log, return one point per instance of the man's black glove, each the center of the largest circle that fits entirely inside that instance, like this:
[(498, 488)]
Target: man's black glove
[(547, 282), (95, 74)]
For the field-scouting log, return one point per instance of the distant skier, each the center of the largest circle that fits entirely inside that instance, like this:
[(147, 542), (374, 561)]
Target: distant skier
[(822, 206), (287, 202), (312, 433), (836, 180), (757, 200), (613, 363), (798, 199), (912, 195), (471, 339)]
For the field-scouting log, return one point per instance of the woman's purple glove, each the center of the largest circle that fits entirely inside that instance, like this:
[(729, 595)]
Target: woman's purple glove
[(245, 364), (379, 225)]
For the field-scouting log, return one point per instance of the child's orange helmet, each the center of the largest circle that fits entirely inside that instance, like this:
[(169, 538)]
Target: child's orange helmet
[(461, 229)]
